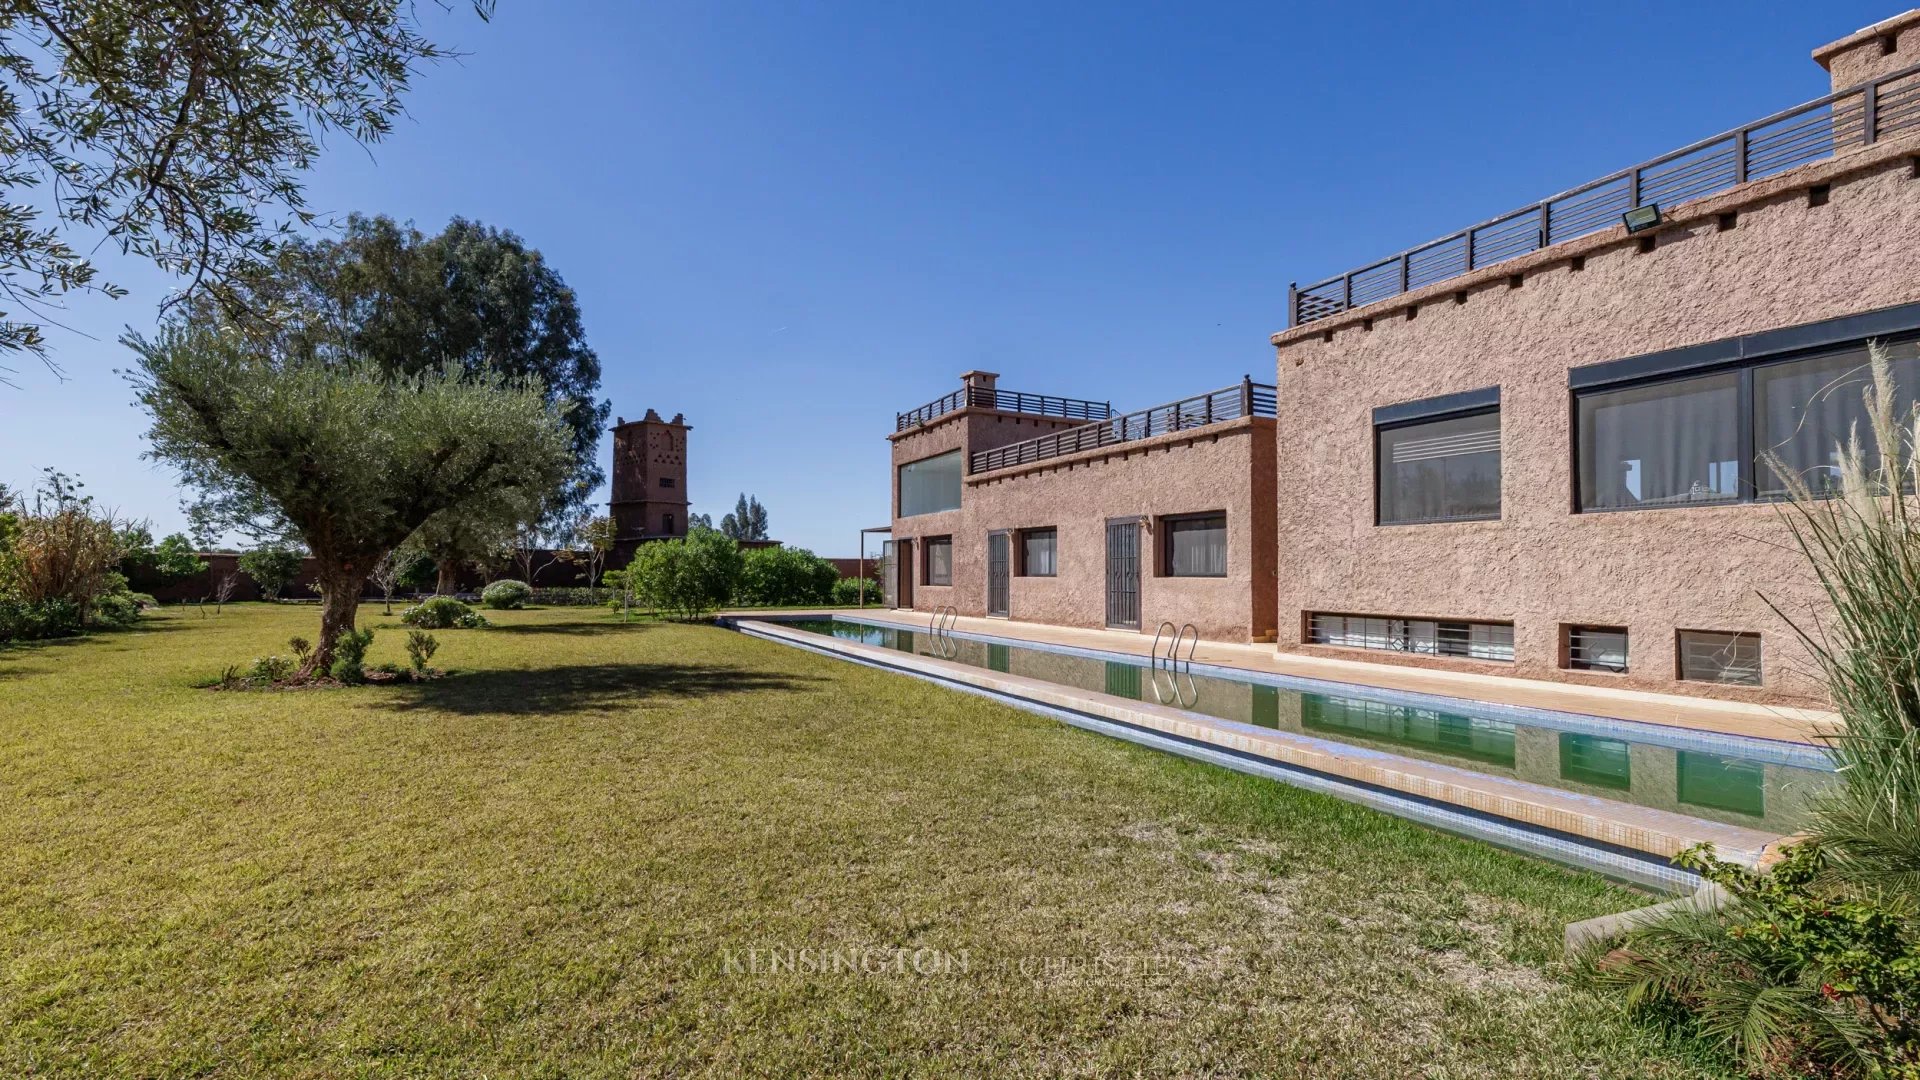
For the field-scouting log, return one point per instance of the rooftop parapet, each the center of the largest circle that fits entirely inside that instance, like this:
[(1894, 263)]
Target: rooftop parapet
[(1857, 116), (1244, 398), (978, 391)]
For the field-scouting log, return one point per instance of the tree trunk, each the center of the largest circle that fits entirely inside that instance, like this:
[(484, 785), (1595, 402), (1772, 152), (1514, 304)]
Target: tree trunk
[(449, 580), (339, 603)]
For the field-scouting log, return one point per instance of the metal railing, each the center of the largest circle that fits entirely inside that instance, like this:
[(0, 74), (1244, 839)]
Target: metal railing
[(980, 397), (1804, 134), (1245, 398)]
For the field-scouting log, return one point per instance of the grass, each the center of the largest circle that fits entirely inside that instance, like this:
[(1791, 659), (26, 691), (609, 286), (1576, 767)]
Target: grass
[(567, 859)]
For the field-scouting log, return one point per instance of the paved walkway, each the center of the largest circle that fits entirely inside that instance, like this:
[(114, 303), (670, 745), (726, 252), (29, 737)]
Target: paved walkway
[(1705, 714)]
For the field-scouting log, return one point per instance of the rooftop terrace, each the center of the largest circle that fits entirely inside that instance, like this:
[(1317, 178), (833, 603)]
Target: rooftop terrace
[(986, 396), (1820, 129), (1244, 398)]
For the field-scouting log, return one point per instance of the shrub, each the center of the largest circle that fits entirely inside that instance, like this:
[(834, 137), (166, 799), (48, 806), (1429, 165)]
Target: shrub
[(847, 591), (506, 595), (119, 608), (350, 655), (300, 646), (783, 575), (59, 548), (1792, 976), (270, 669), (420, 648), (567, 597), (686, 578), (271, 568), (37, 620), (1815, 968), (442, 613)]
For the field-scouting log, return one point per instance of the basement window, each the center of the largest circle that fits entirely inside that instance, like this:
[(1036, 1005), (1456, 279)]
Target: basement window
[(1428, 637), (1595, 648), (1718, 656)]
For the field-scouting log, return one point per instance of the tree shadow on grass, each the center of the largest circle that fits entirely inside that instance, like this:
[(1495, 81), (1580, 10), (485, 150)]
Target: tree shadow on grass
[(16, 656), (586, 687)]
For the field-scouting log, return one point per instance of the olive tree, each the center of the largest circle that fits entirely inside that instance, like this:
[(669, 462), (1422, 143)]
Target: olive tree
[(178, 131), (473, 297), (347, 456)]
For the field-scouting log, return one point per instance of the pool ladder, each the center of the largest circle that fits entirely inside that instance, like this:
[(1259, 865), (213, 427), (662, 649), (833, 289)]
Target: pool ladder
[(1175, 666), (940, 631)]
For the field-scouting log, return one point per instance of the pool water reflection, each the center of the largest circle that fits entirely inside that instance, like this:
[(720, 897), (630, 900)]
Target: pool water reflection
[(1731, 789)]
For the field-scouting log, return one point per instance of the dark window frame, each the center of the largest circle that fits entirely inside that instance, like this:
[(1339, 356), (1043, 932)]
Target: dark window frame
[(666, 481), (1460, 406), (1163, 545), (927, 544), (1312, 623), (899, 484), (1744, 357), (1570, 660), (1760, 657), (1020, 568)]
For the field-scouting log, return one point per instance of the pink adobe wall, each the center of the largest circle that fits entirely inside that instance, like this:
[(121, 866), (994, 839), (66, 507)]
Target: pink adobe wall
[(1225, 467), (1783, 262), (1884, 47)]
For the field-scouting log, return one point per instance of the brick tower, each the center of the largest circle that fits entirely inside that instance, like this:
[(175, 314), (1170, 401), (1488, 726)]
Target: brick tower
[(649, 482)]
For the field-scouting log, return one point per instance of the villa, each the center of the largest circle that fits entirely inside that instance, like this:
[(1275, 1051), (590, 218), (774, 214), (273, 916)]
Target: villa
[(1536, 447)]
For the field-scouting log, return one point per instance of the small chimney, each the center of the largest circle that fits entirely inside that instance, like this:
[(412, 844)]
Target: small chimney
[(1869, 53), (979, 386)]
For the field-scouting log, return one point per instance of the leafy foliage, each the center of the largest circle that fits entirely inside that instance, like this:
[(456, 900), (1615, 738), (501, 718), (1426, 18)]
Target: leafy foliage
[(1815, 968), (783, 575), (59, 564), (506, 595), (350, 457), (473, 298), (748, 520), (686, 578), (271, 568), (848, 592), (350, 655), (170, 127), (149, 564), (442, 613), (420, 648), (1793, 977)]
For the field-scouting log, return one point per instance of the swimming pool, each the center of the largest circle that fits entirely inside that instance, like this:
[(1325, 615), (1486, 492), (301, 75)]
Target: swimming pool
[(1756, 784)]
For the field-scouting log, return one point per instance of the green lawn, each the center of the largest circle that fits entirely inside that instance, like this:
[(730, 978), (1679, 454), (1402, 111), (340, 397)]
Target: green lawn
[(566, 859)]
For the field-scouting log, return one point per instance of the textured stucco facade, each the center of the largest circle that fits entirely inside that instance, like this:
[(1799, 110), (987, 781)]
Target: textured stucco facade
[(1791, 252), (1225, 467), (1770, 255)]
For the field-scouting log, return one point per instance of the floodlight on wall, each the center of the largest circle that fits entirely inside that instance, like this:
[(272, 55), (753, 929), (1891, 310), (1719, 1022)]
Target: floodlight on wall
[(1642, 218)]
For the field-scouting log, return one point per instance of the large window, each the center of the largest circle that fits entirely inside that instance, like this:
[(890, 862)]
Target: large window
[(1445, 469), (1038, 548), (930, 485), (939, 560), (1195, 545), (1672, 444), (1433, 637), (1704, 439), (1805, 409)]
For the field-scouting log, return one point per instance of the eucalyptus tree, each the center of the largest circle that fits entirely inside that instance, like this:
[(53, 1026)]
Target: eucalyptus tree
[(473, 298), (334, 448), (178, 131)]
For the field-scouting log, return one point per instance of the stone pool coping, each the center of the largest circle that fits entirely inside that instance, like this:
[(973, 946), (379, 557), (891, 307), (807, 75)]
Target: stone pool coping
[(1673, 711), (1654, 835)]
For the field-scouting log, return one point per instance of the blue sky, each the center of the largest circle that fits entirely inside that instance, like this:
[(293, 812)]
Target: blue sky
[(790, 221)]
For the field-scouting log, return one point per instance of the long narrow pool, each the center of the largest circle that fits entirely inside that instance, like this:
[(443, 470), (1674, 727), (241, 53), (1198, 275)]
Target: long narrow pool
[(1754, 783)]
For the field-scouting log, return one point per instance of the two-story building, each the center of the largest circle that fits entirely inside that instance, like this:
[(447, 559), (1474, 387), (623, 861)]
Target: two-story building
[(1543, 446)]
